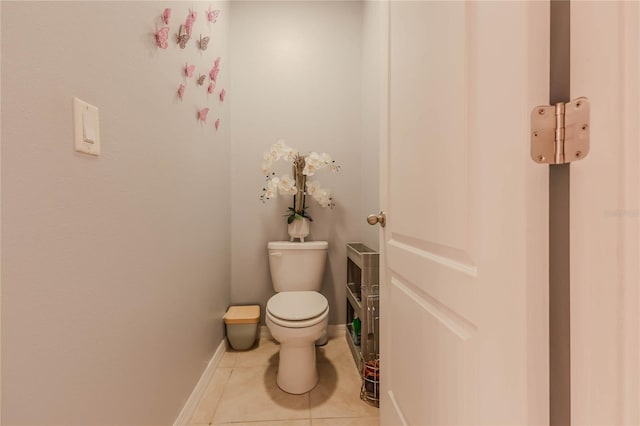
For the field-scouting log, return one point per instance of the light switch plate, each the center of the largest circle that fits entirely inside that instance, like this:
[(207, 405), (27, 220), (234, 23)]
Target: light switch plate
[(86, 127)]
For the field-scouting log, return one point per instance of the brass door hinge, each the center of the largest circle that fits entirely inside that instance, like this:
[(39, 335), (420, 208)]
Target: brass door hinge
[(560, 133)]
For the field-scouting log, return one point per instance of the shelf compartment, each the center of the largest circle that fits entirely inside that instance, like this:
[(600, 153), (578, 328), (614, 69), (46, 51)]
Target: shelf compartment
[(363, 266), (362, 255), (355, 349), (353, 295), (370, 391)]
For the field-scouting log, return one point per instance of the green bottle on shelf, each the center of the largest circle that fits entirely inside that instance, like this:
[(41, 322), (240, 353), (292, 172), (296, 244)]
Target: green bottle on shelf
[(356, 330)]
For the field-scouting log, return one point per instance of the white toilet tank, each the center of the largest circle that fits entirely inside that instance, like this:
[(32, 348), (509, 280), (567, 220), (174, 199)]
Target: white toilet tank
[(297, 266)]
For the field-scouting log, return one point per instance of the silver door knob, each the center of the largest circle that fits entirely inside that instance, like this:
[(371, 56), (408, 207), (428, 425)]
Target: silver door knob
[(381, 218)]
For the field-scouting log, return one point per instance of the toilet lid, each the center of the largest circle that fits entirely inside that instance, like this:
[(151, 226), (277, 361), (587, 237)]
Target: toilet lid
[(297, 305)]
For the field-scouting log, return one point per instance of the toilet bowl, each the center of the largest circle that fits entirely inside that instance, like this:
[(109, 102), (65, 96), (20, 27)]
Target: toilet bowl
[(298, 314), (297, 319)]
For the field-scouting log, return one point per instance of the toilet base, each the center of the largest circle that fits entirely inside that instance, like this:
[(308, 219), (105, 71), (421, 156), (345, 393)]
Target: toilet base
[(323, 339), (297, 371)]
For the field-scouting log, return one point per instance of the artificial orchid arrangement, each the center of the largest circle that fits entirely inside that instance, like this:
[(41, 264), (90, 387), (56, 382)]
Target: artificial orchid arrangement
[(297, 186)]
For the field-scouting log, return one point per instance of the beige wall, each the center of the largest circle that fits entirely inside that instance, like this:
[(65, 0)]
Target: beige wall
[(115, 270), (296, 76)]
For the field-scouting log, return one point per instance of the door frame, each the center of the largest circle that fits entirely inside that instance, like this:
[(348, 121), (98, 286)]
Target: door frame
[(383, 88), (631, 305)]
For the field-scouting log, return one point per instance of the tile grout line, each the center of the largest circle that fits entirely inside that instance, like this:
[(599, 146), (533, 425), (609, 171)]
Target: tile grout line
[(224, 387), (309, 400)]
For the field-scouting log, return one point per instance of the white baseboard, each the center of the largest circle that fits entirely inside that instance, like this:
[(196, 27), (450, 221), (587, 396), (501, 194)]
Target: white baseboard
[(333, 330), (189, 408)]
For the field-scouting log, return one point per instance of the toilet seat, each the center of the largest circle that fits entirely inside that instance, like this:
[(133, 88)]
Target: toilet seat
[(297, 309)]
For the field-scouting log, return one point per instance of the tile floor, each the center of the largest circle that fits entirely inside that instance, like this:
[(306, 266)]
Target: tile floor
[(243, 391)]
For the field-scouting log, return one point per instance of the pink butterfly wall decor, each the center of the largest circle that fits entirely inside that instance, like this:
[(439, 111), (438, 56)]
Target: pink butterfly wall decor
[(202, 115), (188, 70), (213, 74), (162, 37), (183, 37), (166, 15), (204, 42), (191, 19), (212, 15)]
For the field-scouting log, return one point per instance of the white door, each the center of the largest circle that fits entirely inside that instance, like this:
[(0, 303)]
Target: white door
[(605, 211), (465, 318)]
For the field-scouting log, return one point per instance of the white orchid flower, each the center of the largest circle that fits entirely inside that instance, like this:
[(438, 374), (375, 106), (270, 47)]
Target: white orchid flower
[(267, 163), (314, 157), (289, 154), (323, 197), (312, 164), (309, 169), (269, 193), (273, 155), (287, 186), (279, 144), (312, 187), (325, 158), (274, 182), (272, 187), (280, 150), (267, 167)]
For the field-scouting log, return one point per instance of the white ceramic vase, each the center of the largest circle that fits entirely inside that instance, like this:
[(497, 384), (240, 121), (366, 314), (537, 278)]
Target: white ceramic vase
[(299, 228)]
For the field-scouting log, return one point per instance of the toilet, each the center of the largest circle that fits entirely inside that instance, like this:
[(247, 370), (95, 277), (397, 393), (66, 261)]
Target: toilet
[(297, 315)]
